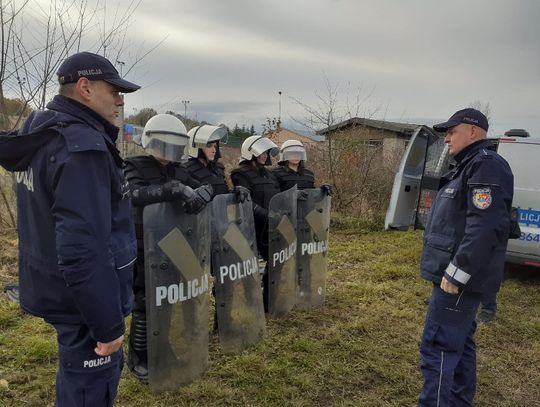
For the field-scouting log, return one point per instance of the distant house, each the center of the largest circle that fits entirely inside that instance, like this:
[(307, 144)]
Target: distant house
[(393, 137), (281, 134)]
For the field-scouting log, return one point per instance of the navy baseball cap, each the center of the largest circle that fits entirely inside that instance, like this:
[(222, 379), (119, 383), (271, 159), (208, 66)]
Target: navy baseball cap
[(467, 116), (94, 67)]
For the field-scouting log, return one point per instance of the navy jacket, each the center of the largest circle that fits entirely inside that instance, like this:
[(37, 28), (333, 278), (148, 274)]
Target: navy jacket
[(76, 236), (467, 230)]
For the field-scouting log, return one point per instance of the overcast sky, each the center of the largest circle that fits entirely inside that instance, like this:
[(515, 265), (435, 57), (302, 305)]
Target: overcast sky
[(415, 61)]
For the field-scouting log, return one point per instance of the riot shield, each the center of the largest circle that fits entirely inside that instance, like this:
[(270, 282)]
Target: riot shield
[(177, 254), (312, 261), (239, 301), (282, 253)]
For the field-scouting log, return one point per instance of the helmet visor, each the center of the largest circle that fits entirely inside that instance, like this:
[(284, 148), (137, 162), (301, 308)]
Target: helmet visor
[(170, 147), (263, 145), (294, 153), (206, 134)]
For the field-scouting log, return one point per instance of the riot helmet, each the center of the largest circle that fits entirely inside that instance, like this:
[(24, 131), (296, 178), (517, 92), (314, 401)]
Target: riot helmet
[(165, 137), (201, 136), (254, 146), (292, 149)]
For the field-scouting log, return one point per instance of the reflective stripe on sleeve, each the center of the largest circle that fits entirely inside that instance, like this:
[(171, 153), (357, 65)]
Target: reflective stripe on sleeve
[(127, 264), (457, 274)]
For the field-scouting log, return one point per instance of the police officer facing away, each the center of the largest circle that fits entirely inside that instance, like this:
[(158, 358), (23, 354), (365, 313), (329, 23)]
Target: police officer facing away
[(76, 237), (156, 177), (253, 175), (464, 250)]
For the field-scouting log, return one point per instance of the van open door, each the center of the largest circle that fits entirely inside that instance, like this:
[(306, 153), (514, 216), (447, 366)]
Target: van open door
[(417, 180)]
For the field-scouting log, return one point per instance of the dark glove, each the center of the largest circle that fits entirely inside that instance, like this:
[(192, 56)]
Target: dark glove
[(167, 192), (327, 189), (199, 198), (241, 193), (260, 212), (301, 195), (174, 189)]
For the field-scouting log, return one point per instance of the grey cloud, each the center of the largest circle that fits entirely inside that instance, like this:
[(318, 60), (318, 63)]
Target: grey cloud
[(423, 58)]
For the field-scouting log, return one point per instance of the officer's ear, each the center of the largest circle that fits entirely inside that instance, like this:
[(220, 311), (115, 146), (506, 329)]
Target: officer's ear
[(477, 132), (83, 89)]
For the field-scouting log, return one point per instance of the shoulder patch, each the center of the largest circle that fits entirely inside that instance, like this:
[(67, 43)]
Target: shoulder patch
[(482, 197)]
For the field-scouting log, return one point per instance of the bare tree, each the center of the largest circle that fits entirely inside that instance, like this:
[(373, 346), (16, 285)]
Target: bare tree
[(9, 11), (484, 107), (348, 162), (36, 38), (35, 41)]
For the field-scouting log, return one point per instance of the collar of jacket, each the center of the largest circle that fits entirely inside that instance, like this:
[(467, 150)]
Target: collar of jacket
[(300, 169), (85, 114), (469, 151)]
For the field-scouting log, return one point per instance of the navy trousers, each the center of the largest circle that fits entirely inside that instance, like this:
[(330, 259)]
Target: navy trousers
[(489, 301), (84, 378), (448, 351)]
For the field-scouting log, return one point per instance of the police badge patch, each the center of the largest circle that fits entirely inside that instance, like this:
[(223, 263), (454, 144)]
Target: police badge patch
[(482, 197)]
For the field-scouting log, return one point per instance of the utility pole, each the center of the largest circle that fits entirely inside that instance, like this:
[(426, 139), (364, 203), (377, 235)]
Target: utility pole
[(279, 116), (121, 63), (185, 103)]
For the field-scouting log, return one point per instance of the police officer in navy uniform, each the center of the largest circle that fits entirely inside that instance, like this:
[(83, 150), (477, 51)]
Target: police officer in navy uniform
[(464, 250), (252, 173), (156, 177), (76, 238)]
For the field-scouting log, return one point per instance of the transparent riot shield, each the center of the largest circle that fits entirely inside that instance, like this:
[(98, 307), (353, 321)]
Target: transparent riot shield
[(177, 266), (282, 253), (312, 261), (239, 301)]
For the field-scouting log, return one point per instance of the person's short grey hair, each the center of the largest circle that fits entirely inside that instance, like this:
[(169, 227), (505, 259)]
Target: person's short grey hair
[(67, 89)]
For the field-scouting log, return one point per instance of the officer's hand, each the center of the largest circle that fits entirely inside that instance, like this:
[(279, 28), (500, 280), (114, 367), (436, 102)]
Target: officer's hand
[(301, 195), (449, 287), (174, 186), (241, 193), (260, 212), (327, 189), (106, 349), (201, 196)]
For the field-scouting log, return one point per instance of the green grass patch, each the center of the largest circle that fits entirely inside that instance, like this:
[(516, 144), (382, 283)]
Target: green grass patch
[(360, 349)]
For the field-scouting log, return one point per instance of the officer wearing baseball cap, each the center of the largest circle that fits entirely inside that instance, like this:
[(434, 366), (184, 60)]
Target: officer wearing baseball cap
[(95, 68), (463, 256), (76, 235), (466, 116)]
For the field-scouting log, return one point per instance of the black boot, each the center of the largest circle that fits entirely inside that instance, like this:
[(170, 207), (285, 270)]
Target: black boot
[(137, 348)]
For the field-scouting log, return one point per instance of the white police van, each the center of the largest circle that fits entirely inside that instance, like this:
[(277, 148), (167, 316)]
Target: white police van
[(426, 160)]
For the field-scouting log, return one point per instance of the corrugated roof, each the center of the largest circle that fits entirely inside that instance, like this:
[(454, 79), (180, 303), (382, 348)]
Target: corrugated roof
[(280, 135), (405, 128)]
